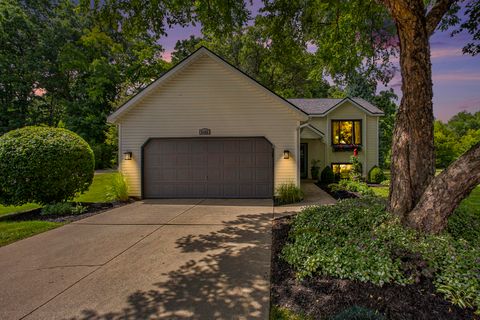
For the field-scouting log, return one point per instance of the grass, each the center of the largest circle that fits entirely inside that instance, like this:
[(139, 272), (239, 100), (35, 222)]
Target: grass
[(10, 209), (471, 202), (11, 231), (14, 231), (96, 193), (280, 313)]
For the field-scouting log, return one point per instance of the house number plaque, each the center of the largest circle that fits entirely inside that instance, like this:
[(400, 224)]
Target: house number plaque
[(204, 132)]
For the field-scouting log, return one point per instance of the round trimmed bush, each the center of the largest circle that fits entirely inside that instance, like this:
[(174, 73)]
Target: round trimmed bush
[(327, 175), (43, 165), (376, 175)]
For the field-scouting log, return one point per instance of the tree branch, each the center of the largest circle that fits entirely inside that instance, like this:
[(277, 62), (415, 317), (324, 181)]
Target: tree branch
[(446, 191), (435, 15)]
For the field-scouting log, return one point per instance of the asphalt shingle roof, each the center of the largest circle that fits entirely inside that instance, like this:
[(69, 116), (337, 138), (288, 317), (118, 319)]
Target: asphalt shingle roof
[(322, 106)]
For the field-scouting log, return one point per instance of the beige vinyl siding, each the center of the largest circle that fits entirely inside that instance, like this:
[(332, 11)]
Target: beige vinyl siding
[(208, 94), (347, 111), (316, 151)]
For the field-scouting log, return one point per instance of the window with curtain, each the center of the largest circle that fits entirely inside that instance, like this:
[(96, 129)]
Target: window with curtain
[(346, 132)]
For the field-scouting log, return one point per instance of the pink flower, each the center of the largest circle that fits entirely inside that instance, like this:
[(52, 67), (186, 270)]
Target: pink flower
[(355, 152)]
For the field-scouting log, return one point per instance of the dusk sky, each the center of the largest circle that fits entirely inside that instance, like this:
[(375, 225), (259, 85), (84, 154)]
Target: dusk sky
[(456, 77)]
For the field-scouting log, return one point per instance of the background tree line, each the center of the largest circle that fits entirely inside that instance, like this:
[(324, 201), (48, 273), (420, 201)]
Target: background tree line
[(62, 66)]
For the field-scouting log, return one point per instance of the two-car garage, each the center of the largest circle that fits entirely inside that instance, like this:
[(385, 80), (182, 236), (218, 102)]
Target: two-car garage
[(206, 130), (208, 168)]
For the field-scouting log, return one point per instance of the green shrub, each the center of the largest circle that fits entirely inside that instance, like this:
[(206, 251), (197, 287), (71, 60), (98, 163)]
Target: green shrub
[(279, 313), (358, 313), (356, 172), (289, 193), (464, 223), (63, 209), (79, 209), (327, 175), (60, 209), (376, 175), (358, 239), (43, 165), (118, 190), (352, 186), (385, 183), (315, 169)]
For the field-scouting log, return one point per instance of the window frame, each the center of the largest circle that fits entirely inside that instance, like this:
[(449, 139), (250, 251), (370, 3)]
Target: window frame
[(353, 132)]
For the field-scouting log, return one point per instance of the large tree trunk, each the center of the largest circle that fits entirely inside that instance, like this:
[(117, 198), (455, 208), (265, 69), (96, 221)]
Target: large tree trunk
[(422, 201), (445, 192), (413, 158)]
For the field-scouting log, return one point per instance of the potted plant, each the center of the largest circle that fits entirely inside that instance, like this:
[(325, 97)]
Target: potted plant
[(315, 169)]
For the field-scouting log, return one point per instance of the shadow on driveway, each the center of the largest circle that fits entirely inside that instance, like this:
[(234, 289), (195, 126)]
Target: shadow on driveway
[(227, 279)]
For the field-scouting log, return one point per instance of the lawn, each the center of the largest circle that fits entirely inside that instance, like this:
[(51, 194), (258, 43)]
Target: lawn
[(96, 193), (472, 201), (98, 190), (15, 230), (11, 231)]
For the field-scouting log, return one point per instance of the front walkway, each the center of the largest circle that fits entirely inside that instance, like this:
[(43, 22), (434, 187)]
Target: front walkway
[(162, 259), (313, 196)]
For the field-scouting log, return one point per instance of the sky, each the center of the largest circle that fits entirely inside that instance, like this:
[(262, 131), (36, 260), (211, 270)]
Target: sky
[(456, 77)]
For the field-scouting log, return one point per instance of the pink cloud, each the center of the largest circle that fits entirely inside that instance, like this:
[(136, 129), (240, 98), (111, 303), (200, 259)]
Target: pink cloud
[(438, 53), (468, 105), (167, 55), (457, 76)]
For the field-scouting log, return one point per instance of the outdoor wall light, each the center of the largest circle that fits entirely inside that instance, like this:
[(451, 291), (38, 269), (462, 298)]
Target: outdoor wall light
[(286, 154), (127, 155)]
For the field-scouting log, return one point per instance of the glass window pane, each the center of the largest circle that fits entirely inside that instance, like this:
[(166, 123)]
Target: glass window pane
[(358, 133), (346, 132), (336, 132)]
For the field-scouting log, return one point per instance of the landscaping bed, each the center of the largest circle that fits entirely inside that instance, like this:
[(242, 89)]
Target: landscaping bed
[(91, 210), (322, 297), (337, 194)]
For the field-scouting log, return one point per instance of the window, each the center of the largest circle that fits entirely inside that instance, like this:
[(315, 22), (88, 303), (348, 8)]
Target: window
[(346, 132), (341, 170)]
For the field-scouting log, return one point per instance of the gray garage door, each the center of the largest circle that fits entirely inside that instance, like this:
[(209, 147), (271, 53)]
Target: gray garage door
[(208, 168)]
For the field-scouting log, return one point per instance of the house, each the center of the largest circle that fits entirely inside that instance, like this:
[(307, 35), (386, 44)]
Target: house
[(207, 130)]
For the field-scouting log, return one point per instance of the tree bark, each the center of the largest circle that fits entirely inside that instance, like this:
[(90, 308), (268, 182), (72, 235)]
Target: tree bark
[(445, 192), (413, 158), (422, 201)]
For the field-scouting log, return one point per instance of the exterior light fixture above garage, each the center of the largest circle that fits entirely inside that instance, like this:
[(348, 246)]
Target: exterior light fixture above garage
[(286, 154), (127, 155)]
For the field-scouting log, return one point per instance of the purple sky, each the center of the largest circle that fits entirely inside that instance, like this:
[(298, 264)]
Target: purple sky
[(456, 77)]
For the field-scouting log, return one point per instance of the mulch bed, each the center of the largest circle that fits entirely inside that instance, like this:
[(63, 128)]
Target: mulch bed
[(323, 297), (92, 209), (338, 195)]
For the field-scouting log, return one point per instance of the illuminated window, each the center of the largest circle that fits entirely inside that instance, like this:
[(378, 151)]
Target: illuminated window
[(346, 132), (342, 170)]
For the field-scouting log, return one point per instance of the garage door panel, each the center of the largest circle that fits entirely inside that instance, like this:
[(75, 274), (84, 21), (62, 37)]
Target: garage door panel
[(215, 146), (230, 146), (214, 190), (208, 168), (246, 174), (230, 160), (263, 160), (230, 175), (214, 160)]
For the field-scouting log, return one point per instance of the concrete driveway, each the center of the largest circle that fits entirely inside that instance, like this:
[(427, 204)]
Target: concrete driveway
[(172, 259)]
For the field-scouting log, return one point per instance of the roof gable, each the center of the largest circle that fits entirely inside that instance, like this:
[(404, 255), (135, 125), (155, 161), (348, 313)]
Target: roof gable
[(322, 107), (202, 51)]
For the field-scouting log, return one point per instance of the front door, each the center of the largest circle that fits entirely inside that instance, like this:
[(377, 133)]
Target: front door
[(304, 160)]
